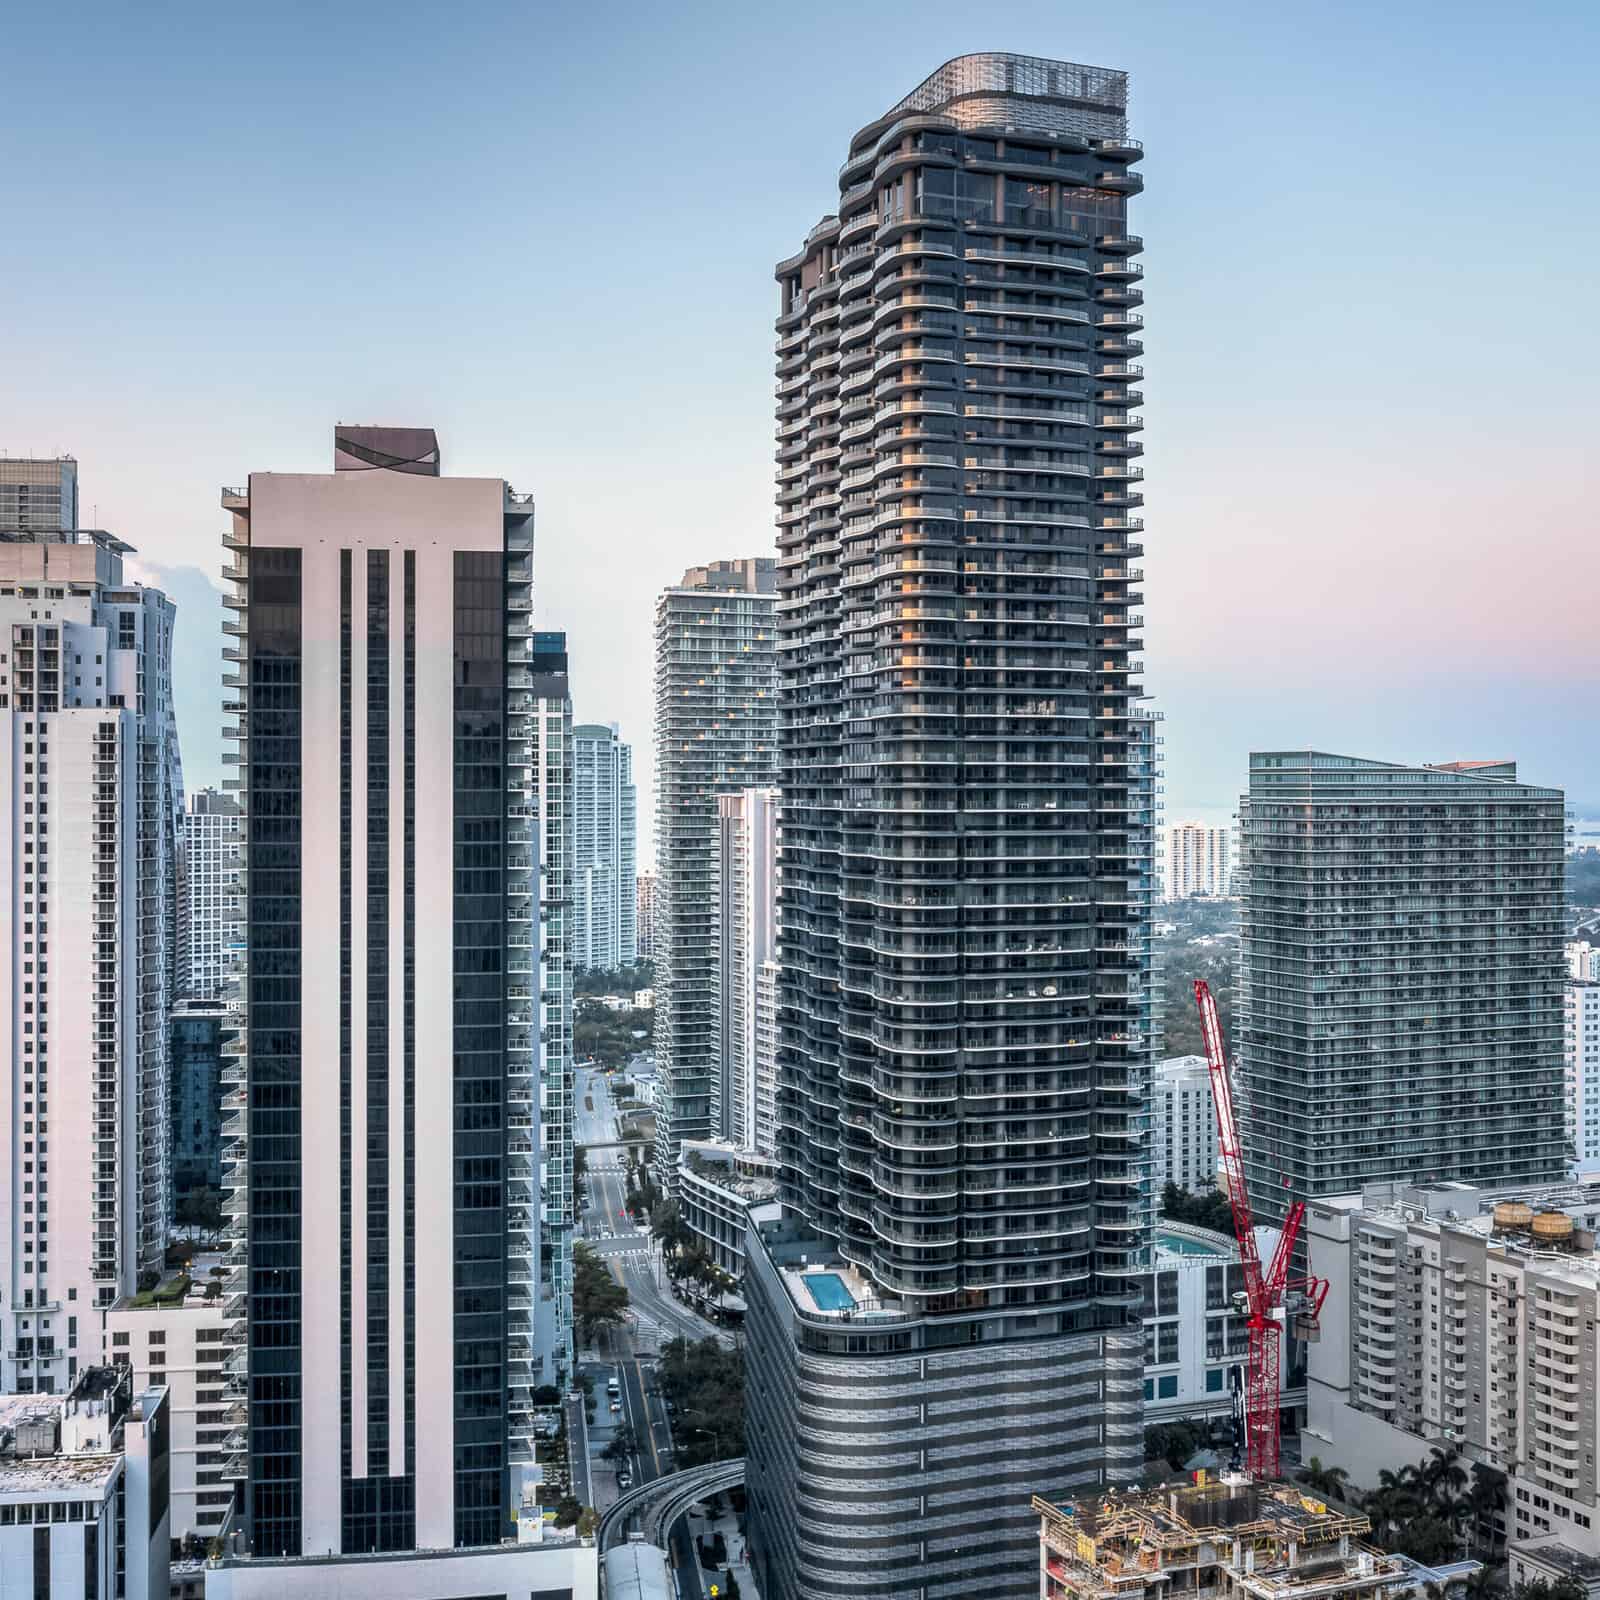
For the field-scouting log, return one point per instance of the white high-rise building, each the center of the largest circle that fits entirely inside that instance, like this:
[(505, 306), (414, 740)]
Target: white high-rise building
[(716, 726), (1583, 959), (211, 932), (1185, 1125), (1196, 862), (604, 923), (390, 1090), (746, 939), (91, 789), (1583, 1074), (645, 920)]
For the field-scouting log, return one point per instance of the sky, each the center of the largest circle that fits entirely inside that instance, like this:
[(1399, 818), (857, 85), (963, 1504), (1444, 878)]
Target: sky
[(548, 231)]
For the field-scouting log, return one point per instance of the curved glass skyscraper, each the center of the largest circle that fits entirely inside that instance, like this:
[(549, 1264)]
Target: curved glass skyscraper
[(966, 878)]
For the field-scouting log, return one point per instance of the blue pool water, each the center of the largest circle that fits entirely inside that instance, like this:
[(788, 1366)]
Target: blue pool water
[(829, 1291), (1180, 1246)]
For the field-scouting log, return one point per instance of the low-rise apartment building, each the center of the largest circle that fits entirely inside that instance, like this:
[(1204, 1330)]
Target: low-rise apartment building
[(183, 1344), (83, 1491), (1192, 1333), (1463, 1318), (718, 1183)]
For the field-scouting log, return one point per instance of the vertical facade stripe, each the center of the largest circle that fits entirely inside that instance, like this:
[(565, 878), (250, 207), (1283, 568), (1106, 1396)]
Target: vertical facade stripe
[(321, 1347), (272, 980), (351, 1447), (355, 1057), (479, 1108), (374, 1346), (403, 981)]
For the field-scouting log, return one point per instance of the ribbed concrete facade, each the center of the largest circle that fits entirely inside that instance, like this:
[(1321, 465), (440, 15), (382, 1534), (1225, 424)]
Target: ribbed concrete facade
[(963, 1007), (1399, 1006), (894, 1455), (716, 728)]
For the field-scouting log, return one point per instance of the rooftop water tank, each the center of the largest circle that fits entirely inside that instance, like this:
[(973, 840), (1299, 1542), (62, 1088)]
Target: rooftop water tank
[(1552, 1228), (1512, 1216)]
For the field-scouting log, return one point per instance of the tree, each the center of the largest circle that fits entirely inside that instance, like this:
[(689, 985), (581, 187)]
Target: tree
[(1487, 1500), (1428, 1539), (598, 1300), (1199, 1210), (703, 1384), (201, 1209), (1329, 1483), (623, 1443), (588, 1521), (668, 1226), (1175, 1442)]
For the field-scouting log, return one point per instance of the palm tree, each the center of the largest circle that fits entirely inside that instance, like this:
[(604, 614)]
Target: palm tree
[(1487, 1499), (1444, 1474), (1331, 1483)]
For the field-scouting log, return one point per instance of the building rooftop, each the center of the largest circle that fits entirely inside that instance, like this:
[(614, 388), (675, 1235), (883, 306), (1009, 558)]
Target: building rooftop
[(1550, 1550), (31, 1461)]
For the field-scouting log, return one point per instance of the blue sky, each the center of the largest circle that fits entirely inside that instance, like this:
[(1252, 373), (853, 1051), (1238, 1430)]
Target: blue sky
[(548, 231)]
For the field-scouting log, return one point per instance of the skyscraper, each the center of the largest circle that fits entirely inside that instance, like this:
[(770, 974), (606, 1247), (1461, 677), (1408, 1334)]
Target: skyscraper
[(744, 1087), (716, 716), (1197, 861), (1399, 1008), (210, 893), (646, 918), (38, 495), (604, 929), (945, 1318), (93, 787), (389, 1101), (541, 1107)]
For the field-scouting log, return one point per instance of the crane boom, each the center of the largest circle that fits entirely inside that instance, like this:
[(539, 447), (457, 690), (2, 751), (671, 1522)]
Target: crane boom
[(1228, 1146), (1267, 1292)]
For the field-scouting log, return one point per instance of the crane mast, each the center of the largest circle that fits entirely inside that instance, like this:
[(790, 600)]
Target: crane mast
[(1268, 1291)]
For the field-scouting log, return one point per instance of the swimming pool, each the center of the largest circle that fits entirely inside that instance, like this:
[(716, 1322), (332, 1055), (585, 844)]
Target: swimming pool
[(829, 1291), (1179, 1245)]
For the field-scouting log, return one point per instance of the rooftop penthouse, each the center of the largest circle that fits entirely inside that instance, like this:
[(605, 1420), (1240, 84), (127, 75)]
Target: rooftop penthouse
[(1231, 1540)]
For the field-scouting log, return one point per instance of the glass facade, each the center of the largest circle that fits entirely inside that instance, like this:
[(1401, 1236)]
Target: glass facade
[(964, 1005), (1399, 1005), (273, 985), (479, 1048)]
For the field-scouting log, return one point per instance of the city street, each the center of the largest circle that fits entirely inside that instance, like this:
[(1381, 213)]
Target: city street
[(628, 1353)]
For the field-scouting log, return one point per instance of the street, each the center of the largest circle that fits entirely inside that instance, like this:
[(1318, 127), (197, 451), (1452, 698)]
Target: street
[(628, 1353)]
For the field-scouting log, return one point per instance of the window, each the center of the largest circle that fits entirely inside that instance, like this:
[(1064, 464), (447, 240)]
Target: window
[(1167, 1388), (1214, 1381)]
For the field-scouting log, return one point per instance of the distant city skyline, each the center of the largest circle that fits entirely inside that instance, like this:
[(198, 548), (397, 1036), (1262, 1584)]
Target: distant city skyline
[(1344, 582)]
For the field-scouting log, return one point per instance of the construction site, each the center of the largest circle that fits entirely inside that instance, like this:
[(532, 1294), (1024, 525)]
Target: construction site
[(1217, 1541)]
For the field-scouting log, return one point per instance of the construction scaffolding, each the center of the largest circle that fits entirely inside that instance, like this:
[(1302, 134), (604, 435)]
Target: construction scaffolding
[(1232, 1540)]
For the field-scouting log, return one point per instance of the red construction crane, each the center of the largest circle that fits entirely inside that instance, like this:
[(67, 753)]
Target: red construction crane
[(1269, 1295)]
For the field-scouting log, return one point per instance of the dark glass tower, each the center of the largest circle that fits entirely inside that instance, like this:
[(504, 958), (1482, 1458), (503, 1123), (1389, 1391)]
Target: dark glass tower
[(1401, 979), (965, 889)]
